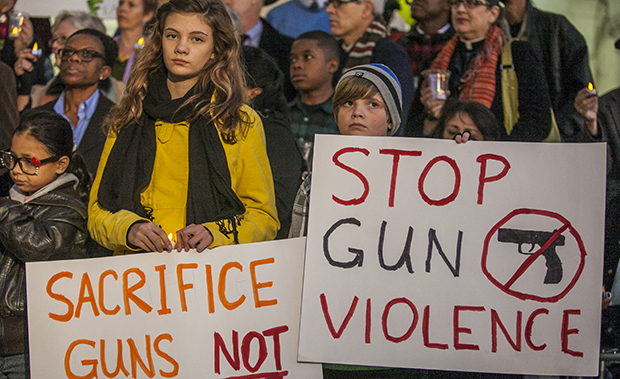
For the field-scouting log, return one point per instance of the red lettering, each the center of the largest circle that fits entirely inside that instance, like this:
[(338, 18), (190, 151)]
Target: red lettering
[(368, 316), (245, 351), (67, 316), (395, 161), (495, 322), (566, 332), (425, 327), (328, 319), (457, 181), (458, 330), (221, 346), (483, 179), (275, 333), (528, 329), (386, 313), (359, 175)]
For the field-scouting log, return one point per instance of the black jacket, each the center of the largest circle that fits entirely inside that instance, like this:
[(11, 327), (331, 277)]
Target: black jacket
[(278, 46), (49, 227), (563, 53)]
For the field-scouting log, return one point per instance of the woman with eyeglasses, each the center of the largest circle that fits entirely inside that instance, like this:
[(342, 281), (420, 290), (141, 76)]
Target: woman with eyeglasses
[(42, 219), (65, 24), (474, 58), (185, 159), (85, 62)]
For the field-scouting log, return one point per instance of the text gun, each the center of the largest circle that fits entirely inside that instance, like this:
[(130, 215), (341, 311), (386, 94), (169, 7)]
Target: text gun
[(537, 238)]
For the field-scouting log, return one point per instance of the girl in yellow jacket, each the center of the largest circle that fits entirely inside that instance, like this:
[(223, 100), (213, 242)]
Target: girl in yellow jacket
[(184, 157)]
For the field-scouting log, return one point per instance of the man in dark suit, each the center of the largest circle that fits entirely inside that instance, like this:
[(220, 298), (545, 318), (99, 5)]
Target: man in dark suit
[(259, 33)]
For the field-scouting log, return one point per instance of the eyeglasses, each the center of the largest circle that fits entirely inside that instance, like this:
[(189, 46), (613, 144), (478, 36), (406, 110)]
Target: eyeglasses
[(338, 3), (469, 4), (61, 41), (85, 55), (29, 166)]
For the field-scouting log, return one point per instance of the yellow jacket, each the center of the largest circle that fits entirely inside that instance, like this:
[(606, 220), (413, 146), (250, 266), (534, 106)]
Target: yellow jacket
[(166, 194)]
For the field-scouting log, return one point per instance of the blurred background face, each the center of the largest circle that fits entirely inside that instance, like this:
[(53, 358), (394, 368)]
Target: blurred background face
[(130, 14), (76, 72), (473, 23), (428, 9), (63, 31)]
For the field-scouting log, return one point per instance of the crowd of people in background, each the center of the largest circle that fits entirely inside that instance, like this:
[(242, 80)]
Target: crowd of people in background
[(194, 122)]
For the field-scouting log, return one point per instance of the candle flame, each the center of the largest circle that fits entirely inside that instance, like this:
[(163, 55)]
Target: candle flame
[(15, 30), (590, 86), (141, 41), (35, 46), (170, 236)]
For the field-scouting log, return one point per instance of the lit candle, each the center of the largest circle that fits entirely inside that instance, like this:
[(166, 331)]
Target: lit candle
[(35, 50), (15, 32), (170, 237), (591, 88), (139, 44)]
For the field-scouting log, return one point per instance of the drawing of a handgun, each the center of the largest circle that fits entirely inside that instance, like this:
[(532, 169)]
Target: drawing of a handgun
[(533, 238)]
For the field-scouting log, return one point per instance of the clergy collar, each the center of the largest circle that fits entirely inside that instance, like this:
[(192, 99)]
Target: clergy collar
[(469, 45)]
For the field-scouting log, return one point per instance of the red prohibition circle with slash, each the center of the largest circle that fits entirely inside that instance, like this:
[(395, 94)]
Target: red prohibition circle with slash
[(506, 287)]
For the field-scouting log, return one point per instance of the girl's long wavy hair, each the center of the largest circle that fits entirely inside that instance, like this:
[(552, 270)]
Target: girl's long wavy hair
[(223, 74)]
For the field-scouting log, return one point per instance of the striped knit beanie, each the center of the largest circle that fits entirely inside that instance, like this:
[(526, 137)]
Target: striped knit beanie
[(388, 85)]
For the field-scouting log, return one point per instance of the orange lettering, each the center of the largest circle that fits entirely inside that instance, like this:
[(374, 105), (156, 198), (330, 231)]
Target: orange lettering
[(221, 287), (85, 362), (175, 365), (258, 303), (128, 292), (135, 358), (120, 366), (162, 291), (67, 316), (86, 286), (182, 285), (210, 289), (105, 310)]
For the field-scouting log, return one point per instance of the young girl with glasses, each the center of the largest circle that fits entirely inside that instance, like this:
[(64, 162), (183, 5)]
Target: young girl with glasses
[(43, 218), (185, 159)]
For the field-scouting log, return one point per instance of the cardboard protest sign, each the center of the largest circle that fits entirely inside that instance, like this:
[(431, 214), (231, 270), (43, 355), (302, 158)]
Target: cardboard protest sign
[(482, 257), (232, 312)]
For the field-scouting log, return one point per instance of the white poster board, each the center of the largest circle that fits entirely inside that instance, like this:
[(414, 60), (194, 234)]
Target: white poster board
[(419, 255), (229, 312)]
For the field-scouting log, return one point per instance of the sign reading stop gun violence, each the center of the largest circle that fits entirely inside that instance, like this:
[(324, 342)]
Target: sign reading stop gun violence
[(232, 312), (477, 257)]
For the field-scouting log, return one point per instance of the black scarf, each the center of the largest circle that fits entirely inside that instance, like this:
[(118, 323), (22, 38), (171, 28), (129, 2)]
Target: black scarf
[(128, 170)]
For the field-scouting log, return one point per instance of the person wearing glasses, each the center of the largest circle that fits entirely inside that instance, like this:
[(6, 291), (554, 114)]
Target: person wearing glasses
[(185, 159), (65, 24), (364, 39), (42, 219), (85, 61), (474, 58)]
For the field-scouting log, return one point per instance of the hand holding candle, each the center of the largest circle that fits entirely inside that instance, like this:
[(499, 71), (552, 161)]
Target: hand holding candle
[(586, 103), (148, 237), (193, 237)]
